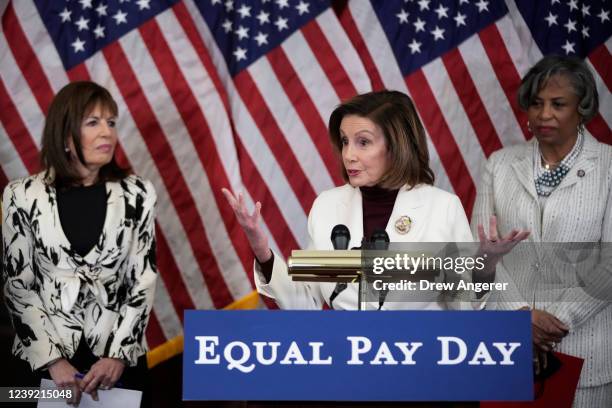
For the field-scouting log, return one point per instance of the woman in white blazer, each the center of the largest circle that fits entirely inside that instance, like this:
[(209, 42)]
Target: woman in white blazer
[(390, 186), (559, 186), (79, 252)]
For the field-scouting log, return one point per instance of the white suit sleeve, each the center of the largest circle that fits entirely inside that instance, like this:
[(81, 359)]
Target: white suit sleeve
[(127, 340), (579, 304), (37, 340), (287, 293)]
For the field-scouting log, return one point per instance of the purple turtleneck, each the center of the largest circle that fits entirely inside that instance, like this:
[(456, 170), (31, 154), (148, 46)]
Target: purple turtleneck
[(377, 208)]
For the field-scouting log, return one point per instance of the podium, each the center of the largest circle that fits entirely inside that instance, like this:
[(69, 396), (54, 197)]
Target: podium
[(395, 356), (357, 356)]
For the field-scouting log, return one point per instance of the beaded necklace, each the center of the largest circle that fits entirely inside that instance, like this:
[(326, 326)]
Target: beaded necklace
[(547, 180)]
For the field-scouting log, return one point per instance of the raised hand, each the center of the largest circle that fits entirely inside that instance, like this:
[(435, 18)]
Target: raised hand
[(496, 246), (250, 224)]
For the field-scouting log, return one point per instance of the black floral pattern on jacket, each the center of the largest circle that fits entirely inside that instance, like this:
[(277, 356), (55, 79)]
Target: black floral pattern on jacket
[(55, 296)]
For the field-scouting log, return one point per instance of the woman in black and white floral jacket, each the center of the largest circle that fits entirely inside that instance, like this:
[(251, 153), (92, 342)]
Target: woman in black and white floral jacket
[(79, 251)]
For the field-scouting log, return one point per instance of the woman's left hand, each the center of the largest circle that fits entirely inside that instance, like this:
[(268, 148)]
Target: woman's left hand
[(496, 246), (102, 375)]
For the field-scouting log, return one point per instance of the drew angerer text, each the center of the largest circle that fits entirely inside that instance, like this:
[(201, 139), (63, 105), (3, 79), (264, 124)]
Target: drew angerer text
[(244, 357)]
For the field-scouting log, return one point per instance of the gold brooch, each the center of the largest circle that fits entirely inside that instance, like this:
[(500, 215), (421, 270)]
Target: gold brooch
[(403, 224)]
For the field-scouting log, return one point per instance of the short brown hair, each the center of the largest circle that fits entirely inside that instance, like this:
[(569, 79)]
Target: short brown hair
[(394, 113), (63, 121)]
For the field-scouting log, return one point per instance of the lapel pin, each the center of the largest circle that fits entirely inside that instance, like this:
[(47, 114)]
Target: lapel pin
[(403, 224), (580, 173)]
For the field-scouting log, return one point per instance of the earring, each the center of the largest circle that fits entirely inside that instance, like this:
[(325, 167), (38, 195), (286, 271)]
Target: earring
[(581, 129), (66, 149), (528, 126)]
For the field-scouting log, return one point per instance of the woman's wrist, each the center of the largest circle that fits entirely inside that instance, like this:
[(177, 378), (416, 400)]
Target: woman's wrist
[(124, 362), (51, 363), (263, 255)]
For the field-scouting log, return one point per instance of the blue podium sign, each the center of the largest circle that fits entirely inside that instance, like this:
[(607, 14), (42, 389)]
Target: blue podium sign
[(357, 356)]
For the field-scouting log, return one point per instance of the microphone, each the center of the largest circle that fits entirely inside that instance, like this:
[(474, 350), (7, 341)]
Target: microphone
[(380, 242), (340, 238)]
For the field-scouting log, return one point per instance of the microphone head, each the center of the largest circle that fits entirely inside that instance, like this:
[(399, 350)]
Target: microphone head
[(340, 236), (380, 240)]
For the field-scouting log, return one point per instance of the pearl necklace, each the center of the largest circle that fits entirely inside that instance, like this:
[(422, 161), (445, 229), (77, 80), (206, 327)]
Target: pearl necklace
[(548, 166), (546, 180)]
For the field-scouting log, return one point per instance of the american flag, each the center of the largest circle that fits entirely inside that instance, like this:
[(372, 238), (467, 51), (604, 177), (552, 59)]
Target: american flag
[(461, 61), (237, 93)]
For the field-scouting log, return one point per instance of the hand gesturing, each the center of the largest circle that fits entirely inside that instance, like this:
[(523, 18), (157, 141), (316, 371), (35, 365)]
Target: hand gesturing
[(250, 224), (497, 246)]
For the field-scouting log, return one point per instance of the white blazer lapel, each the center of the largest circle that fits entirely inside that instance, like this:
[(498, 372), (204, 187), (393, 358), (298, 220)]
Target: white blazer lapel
[(349, 212), (408, 203), (584, 165), (523, 169)]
